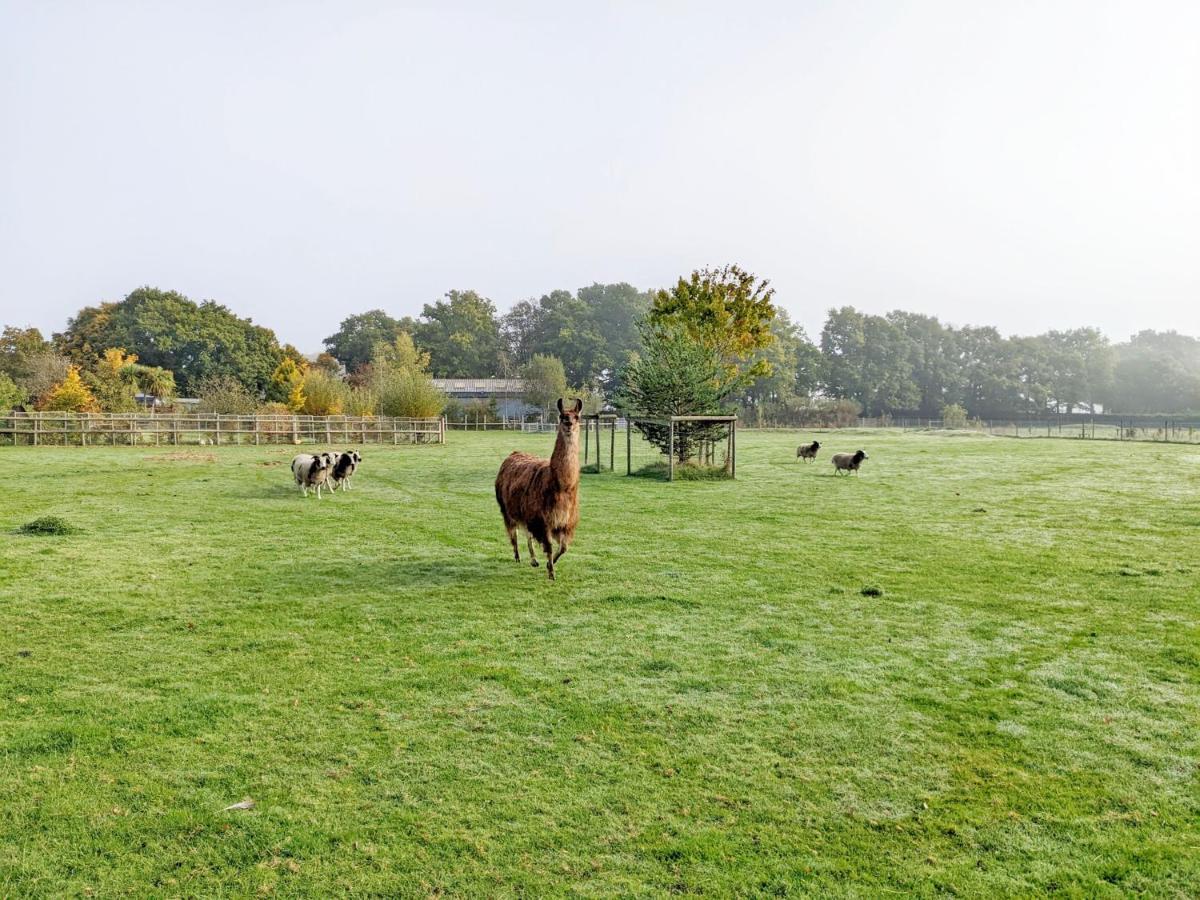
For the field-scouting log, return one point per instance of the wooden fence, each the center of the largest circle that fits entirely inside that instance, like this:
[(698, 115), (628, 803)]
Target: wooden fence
[(149, 429)]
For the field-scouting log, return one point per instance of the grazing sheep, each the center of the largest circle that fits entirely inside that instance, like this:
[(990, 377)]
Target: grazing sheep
[(311, 471), (808, 452), (848, 462), (542, 495), (344, 466)]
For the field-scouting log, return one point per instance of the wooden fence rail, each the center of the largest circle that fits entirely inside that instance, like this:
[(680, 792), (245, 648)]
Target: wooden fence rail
[(143, 429)]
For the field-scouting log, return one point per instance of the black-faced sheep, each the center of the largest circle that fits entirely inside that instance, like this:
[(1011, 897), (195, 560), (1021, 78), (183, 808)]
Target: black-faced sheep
[(311, 471), (344, 467), (808, 452), (848, 462)]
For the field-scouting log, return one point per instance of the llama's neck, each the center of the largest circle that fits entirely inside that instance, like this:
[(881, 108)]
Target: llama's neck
[(565, 460)]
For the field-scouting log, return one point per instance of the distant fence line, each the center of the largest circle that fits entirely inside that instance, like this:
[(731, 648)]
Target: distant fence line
[(142, 429), (1185, 430)]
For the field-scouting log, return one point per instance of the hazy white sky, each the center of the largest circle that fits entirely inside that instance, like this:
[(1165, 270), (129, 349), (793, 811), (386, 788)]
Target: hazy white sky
[(1028, 165)]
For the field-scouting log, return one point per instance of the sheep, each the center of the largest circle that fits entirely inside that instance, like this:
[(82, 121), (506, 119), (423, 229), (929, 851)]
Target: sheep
[(848, 462), (344, 466), (311, 471), (808, 452), (542, 495)]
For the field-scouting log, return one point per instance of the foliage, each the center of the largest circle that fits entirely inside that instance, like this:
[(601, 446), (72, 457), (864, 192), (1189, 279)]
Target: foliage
[(114, 380), (354, 342), (166, 329), (329, 363), (70, 395), (323, 394), (287, 383), (42, 371), (726, 310), (416, 714), (361, 401), (10, 394), (400, 383), (225, 395), (545, 381), (19, 350), (462, 336), (676, 376), (954, 416), (407, 392), (594, 332)]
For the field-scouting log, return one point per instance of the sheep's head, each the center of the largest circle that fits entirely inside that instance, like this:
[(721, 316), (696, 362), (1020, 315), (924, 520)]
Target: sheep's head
[(568, 417), (860, 456)]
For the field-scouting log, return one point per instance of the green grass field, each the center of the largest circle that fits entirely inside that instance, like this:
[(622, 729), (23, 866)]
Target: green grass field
[(705, 702)]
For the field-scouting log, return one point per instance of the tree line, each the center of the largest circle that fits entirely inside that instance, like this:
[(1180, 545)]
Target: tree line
[(162, 344)]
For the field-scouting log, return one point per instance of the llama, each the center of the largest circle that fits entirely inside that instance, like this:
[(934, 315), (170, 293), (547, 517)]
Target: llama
[(542, 495)]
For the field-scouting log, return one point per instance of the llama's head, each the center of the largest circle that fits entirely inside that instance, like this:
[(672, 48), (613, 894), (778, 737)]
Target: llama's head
[(568, 417)]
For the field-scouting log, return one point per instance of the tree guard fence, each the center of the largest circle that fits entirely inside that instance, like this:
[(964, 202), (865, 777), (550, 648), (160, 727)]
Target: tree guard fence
[(599, 442), (681, 447), (59, 429)]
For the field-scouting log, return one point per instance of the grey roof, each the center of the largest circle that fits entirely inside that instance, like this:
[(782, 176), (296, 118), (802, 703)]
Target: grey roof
[(480, 385)]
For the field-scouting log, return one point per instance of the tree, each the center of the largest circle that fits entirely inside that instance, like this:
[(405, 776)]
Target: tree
[(70, 395), (43, 372), (354, 342), (322, 395), (10, 394), (329, 363), (545, 381), (462, 336), (933, 360), (18, 348), (225, 395), (113, 380), (155, 381), (727, 310), (166, 329), (676, 376), (399, 380), (287, 384)]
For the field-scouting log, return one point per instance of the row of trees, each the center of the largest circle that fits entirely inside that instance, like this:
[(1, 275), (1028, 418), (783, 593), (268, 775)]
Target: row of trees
[(161, 343)]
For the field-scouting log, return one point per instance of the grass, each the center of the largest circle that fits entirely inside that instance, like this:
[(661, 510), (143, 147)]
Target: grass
[(709, 700)]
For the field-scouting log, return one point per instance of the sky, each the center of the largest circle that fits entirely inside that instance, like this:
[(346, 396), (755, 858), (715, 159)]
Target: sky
[(1025, 165)]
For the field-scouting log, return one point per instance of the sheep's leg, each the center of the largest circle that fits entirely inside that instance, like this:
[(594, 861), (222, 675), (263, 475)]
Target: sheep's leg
[(532, 556)]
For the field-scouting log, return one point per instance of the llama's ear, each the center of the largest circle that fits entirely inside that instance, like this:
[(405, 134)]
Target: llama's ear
[(560, 409), (578, 405)]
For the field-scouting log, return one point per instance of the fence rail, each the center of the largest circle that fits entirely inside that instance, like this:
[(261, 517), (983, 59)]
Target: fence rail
[(1099, 427), (143, 429)]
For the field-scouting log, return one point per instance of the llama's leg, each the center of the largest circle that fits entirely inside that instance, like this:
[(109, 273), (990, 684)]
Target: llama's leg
[(563, 543), (511, 527), (532, 556), (549, 551)]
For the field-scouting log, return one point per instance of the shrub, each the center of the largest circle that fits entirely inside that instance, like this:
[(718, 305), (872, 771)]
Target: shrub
[(361, 401), (408, 392), (71, 395), (954, 416), (324, 395), (10, 394), (224, 395)]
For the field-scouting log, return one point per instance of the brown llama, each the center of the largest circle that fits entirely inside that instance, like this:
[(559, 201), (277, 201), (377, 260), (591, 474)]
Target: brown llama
[(542, 495)]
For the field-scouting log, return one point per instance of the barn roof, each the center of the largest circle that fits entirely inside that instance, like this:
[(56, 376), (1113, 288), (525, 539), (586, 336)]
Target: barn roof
[(480, 385)]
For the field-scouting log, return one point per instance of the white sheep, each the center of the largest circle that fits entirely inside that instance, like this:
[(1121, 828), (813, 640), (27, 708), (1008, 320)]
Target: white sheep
[(311, 471), (344, 466)]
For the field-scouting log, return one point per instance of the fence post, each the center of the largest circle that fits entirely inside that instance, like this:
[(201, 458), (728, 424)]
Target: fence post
[(671, 453), (628, 446), (733, 444)]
